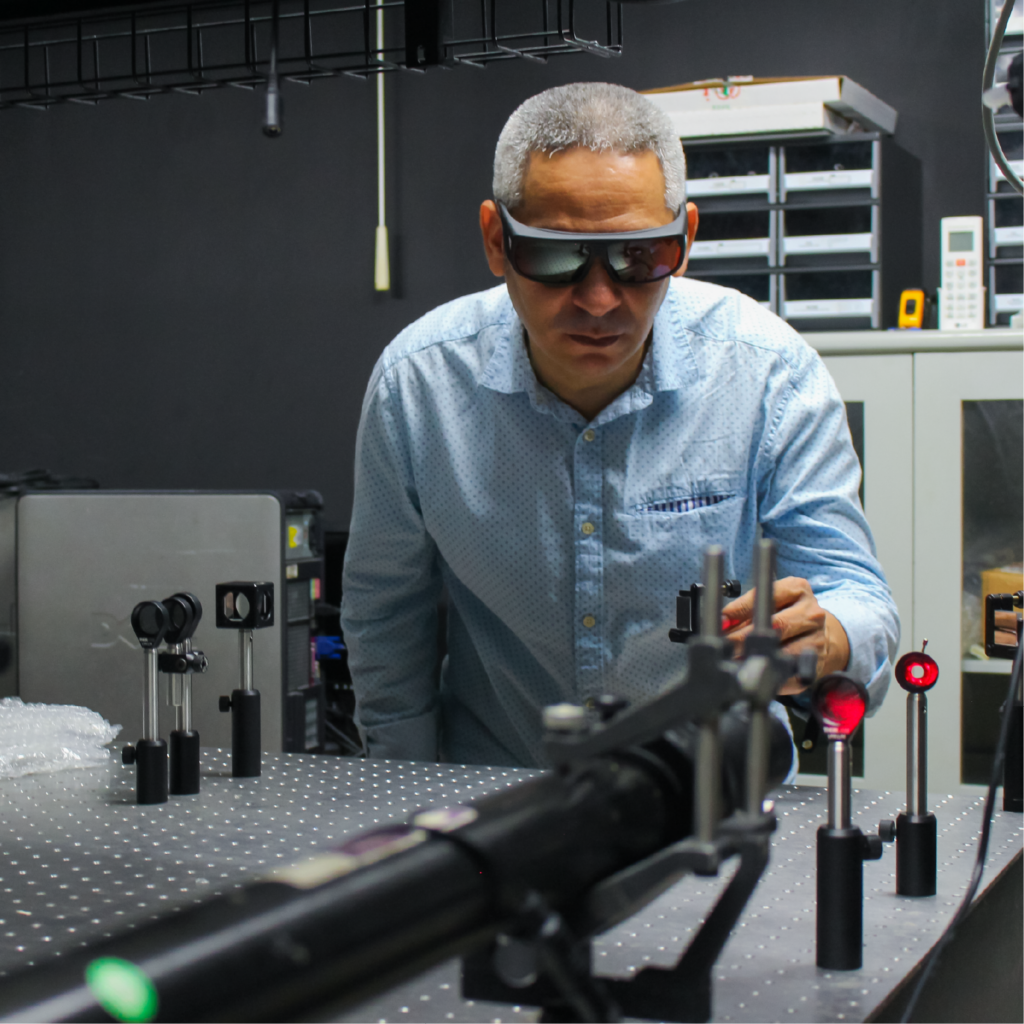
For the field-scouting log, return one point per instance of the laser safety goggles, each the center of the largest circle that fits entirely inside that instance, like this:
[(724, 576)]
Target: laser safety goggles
[(565, 257)]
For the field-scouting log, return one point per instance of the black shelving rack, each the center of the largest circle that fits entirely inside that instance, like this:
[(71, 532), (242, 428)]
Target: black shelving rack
[(137, 50), (1004, 208), (823, 230)]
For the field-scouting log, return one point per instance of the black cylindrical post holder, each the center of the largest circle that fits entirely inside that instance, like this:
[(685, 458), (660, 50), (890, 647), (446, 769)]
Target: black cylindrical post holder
[(184, 762), (840, 921), (916, 854), (245, 734), (151, 771)]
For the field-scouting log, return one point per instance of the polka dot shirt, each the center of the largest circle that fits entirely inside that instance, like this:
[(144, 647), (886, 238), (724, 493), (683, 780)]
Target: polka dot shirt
[(563, 543)]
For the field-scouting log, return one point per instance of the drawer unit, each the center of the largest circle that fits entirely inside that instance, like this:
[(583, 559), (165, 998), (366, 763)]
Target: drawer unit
[(786, 206), (1006, 291)]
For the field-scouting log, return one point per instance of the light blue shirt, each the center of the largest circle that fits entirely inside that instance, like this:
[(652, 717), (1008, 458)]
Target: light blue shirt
[(563, 543)]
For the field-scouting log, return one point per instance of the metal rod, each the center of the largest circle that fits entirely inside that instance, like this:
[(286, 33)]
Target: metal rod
[(151, 699), (764, 578), (757, 759), (186, 696), (174, 687), (839, 814), (711, 612), (917, 753), (245, 657), (708, 782)]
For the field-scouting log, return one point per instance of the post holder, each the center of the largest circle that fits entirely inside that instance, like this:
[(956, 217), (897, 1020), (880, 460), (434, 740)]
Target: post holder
[(150, 621), (839, 704)]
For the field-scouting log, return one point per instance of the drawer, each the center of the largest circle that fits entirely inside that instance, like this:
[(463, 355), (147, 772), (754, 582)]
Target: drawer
[(845, 229), (828, 167), (733, 236), (828, 295), (718, 172)]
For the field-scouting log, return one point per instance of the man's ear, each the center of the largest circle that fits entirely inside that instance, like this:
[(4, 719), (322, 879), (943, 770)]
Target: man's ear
[(692, 220), (490, 229)]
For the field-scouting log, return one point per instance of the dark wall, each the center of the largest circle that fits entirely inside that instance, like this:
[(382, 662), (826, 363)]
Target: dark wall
[(185, 303)]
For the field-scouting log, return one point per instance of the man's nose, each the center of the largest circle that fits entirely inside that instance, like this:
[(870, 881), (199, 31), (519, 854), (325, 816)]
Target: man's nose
[(597, 294)]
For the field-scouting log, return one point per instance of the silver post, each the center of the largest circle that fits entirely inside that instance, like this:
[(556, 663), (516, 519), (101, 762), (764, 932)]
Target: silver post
[(839, 815), (708, 781), (757, 759), (245, 656), (174, 686), (764, 593), (711, 603), (917, 753), (151, 698), (185, 716)]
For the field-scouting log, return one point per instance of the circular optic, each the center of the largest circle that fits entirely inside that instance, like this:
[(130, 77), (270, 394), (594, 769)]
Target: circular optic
[(839, 704), (917, 672), (122, 989)]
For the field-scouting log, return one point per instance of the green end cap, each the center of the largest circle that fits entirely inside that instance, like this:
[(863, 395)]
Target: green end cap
[(122, 989)]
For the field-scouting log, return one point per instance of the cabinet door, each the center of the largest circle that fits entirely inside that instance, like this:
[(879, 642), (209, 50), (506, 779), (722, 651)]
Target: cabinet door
[(968, 412), (882, 387)]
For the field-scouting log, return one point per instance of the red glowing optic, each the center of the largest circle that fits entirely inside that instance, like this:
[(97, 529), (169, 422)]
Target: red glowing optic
[(839, 704), (916, 672)]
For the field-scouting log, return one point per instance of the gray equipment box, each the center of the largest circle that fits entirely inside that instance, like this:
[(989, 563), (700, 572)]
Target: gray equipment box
[(73, 565)]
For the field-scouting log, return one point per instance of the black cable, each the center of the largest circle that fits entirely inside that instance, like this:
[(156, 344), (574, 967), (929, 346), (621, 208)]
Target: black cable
[(988, 116), (986, 829)]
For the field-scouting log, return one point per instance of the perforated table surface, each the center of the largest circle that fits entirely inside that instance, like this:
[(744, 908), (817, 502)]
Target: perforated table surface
[(81, 861)]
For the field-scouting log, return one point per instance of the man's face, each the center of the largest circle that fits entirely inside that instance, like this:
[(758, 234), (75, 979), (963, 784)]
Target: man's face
[(586, 338)]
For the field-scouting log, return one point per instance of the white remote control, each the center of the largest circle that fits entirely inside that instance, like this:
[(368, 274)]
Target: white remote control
[(962, 295)]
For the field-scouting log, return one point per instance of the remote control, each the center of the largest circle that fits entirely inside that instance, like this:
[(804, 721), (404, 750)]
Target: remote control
[(962, 295)]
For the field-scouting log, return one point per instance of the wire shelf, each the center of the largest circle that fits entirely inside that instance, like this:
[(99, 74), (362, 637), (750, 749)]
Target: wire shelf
[(142, 51)]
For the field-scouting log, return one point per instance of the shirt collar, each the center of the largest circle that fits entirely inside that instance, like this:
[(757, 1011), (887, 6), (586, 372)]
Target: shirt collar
[(668, 366)]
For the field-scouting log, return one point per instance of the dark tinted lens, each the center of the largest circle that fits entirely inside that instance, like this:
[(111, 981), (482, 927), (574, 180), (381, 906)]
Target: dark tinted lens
[(639, 262), (550, 262)]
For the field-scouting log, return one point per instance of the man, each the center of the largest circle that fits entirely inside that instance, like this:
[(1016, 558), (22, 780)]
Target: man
[(559, 451)]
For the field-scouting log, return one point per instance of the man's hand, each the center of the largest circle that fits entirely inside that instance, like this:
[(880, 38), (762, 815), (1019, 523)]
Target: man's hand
[(800, 622)]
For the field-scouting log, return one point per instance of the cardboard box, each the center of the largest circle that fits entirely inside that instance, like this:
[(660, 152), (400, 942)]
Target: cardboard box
[(755, 106)]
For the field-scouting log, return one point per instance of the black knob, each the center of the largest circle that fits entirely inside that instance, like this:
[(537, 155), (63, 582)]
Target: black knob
[(128, 755), (807, 666), (872, 847), (225, 703), (887, 831)]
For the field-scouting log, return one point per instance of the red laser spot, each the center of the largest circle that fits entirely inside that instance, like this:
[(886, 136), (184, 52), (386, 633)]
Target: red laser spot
[(839, 704), (916, 672)]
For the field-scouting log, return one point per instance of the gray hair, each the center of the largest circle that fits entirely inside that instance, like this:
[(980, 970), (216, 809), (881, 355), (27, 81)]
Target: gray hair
[(597, 115)]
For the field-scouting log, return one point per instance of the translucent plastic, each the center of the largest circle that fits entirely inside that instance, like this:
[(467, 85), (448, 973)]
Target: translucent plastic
[(38, 738)]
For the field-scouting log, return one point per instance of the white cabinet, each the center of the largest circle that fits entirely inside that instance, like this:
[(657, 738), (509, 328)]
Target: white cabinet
[(920, 393)]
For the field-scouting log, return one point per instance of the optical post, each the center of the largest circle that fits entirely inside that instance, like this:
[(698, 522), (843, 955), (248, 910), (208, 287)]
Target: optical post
[(150, 620), (916, 828), (245, 607), (839, 704), (180, 662)]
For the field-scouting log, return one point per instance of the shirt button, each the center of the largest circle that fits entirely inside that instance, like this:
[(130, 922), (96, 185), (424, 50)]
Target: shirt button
[(589, 621), (588, 434), (588, 528)]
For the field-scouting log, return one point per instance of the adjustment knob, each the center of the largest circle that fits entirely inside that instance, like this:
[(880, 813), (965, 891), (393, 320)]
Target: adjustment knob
[(565, 718), (225, 703), (872, 847), (887, 831), (128, 755)]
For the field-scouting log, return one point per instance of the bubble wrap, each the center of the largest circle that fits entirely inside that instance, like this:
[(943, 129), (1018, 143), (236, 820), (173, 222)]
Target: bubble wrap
[(50, 737)]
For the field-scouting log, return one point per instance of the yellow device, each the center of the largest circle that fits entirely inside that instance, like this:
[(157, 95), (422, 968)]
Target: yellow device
[(911, 308)]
